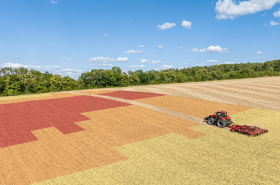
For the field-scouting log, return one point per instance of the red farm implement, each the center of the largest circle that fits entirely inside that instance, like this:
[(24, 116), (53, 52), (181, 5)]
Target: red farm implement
[(222, 119), (249, 130)]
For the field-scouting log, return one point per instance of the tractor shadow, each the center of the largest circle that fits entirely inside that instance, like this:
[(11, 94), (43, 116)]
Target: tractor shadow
[(214, 126)]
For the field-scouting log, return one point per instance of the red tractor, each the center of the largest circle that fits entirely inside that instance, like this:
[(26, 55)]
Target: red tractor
[(220, 118)]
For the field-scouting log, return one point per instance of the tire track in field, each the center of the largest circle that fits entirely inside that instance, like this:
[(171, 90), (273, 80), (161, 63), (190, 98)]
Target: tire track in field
[(258, 95), (197, 95), (247, 101), (252, 87), (266, 85)]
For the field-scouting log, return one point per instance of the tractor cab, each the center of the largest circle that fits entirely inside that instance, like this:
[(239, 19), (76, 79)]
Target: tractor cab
[(219, 118), (222, 114)]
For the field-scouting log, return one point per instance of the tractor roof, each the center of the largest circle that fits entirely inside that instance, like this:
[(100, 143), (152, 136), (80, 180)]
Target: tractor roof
[(222, 111)]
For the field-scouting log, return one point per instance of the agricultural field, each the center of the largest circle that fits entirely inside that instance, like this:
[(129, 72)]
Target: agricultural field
[(152, 134)]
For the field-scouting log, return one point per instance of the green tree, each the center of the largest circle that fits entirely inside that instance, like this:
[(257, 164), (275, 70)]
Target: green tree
[(55, 83)]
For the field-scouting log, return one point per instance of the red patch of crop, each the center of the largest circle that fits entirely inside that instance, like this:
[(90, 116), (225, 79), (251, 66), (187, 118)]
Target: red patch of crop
[(17, 120), (130, 95)]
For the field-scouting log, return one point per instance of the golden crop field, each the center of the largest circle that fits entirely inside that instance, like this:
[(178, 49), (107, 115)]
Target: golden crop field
[(151, 134)]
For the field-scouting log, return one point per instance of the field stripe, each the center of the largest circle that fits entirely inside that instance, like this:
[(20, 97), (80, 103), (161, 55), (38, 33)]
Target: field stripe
[(193, 107), (96, 91), (23, 96), (7, 100), (131, 95)]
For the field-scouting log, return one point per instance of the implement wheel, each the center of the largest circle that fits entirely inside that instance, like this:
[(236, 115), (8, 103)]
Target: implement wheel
[(221, 123), (210, 121)]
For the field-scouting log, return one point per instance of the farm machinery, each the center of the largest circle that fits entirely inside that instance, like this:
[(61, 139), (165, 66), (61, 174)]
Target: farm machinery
[(221, 119)]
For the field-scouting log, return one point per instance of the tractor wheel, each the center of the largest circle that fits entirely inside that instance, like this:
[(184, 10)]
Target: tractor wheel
[(221, 123), (210, 121)]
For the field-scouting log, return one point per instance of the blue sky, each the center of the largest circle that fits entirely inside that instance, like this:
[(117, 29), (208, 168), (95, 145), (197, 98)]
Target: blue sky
[(69, 37)]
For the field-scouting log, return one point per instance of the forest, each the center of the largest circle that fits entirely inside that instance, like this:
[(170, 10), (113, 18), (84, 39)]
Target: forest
[(17, 81)]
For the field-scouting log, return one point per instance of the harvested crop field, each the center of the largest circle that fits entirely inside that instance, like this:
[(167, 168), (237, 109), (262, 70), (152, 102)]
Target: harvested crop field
[(220, 157), (124, 136)]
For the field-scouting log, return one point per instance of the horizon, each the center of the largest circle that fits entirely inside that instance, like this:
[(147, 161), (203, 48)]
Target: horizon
[(71, 37)]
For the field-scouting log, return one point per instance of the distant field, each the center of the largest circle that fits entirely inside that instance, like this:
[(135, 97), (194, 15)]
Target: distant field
[(151, 134)]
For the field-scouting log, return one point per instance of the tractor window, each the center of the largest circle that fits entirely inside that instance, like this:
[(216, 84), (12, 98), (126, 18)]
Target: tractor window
[(224, 114)]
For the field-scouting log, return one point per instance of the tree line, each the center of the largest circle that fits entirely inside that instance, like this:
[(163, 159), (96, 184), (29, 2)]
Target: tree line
[(17, 81)]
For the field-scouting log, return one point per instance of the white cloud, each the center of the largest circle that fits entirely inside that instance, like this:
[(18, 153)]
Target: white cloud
[(56, 69), (259, 52), (165, 58), (106, 35), (229, 62), (111, 49), (276, 14), (181, 47), (106, 59), (183, 64), (71, 59), (16, 65), (265, 24), (186, 24), (141, 46), (144, 61), (272, 23), (134, 66), (122, 59), (154, 55), (70, 70), (211, 61), (202, 64), (133, 60), (128, 23), (101, 59), (101, 65), (166, 66), (207, 61), (133, 51), (157, 69), (217, 49), (193, 50), (228, 9), (256, 58), (156, 61), (54, 2), (145, 54), (183, 67), (166, 26), (101, 37), (160, 46)]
